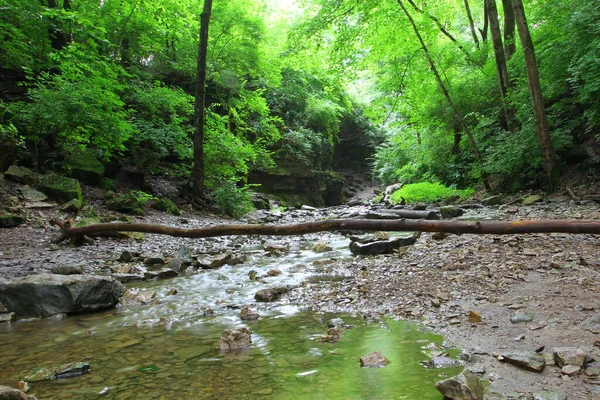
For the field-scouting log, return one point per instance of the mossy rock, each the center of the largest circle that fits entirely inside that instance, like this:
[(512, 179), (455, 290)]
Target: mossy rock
[(85, 167), (2, 182), (108, 184), (8, 149), (166, 205), (21, 175), (11, 220), (60, 188), (126, 203), (74, 205)]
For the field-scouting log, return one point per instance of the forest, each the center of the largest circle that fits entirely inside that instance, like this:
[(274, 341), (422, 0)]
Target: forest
[(411, 92)]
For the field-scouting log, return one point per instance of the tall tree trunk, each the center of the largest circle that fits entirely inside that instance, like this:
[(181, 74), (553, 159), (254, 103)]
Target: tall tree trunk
[(484, 31), (535, 90), (471, 23), (509, 29), (440, 82), (492, 13), (199, 111)]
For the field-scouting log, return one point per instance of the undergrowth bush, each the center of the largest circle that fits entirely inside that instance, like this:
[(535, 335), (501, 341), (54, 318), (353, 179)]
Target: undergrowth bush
[(232, 200), (428, 192)]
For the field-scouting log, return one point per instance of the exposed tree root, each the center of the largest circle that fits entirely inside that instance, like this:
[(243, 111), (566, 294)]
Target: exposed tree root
[(477, 227)]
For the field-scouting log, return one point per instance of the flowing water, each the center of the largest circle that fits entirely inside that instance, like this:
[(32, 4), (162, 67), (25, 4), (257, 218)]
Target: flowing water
[(168, 350)]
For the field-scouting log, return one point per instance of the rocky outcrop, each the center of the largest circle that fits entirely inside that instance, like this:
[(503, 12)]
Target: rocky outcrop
[(21, 175), (60, 188), (47, 294), (85, 167), (126, 203), (271, 294), (465, 386)]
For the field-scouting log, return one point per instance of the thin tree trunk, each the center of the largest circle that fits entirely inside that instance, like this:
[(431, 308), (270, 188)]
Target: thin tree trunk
[(471, 23), (492, 12), (458, 227), (535, 90), (440, 82), (484, 31), (199, 111), (509, 29)]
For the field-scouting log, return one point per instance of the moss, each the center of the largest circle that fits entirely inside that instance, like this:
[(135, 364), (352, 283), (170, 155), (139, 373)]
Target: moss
[(108, 184), (166, 205), (60, 188), (10, 220), (127, 203), (74, 205), (84, 166)]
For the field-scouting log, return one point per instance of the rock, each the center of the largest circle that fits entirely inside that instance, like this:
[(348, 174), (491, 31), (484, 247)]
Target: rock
[(11, 220), (5, 318), (126, 256), (165, 273), (85, 167), (67, 269), (60, 188), (128, 278), (465, 386), (68, 370), (271, 273), (321, 247), (232, 339), (30, 194), (526, 359), (570, 370), (175, 264), (134, 297), (521, 317), (474, 317), (308, 208), (419, 207), (397, 214), (46, 294), (260, 201), (492, 201), (275, 248), (271, 294), (21, 175), (451, 212), (554, 395), (8, 393), (335, 322), (212, 262), (247, 315), (108, 184), (126, 203), (2, 182), (153, 259), (185, 255), (569, 356), (166, 205), (529, 200), (72, 206), (335, 333), (592, 324), (382, 246), (373, 360)]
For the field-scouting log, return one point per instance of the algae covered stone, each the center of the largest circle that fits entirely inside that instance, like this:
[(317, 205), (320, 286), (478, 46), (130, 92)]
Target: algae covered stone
[(166, 205), (85, 167), (127, 203), (60, 188)]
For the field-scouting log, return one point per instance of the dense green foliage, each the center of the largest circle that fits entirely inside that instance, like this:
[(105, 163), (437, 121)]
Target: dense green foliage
[(427, 192), (118, 78)]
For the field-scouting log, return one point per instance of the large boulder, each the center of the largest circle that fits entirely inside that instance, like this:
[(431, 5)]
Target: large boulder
[(382, 246), (47, 294), (465, 386), (60, 188), (85, 167), (126, 203), (8, 393), (11, 220), (21, 175), (8, 150)]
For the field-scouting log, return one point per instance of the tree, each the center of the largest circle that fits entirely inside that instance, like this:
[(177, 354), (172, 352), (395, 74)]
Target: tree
[(535, 91), (199, 111)]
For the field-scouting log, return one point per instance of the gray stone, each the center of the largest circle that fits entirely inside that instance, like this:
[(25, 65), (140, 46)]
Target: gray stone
[(5, 318), (520, 318), (570, 370), (21, 175), (134, 297), (247, 315), (382, 246), (68, 370), (47, 294), (153, 259), (165, 273), (321, 247), (465, 386), (592, 324), (30, 194), (185, 255), (67, 269), (451, 212), (373, 360), (535, 198), (526, 359), (8, 393), (72, 206), (127, 278), (175, 264), (492, 201), (60, 188), (549, 395), (569, 356), (126, 256), (335, 322), (126, 203), (271, 294), (397, 214), (212, 262), (232, 339)]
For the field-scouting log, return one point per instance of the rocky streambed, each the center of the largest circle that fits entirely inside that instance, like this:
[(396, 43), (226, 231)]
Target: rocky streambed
[(497, 297)]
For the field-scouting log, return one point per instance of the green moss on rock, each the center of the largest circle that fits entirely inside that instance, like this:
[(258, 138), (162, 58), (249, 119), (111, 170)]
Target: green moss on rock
[(108, 184), (60, 188), (166, 205), (127, 203), (11, 220), (74, 205), (21, 175), (85, 167)]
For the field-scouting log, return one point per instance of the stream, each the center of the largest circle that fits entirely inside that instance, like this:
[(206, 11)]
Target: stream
[(167, 350)]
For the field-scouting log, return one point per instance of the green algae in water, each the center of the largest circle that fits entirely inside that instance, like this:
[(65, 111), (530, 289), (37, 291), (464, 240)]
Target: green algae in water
[(284, 362)]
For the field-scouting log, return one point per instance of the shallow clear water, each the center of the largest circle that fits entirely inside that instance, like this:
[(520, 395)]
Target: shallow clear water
[(168, 350)]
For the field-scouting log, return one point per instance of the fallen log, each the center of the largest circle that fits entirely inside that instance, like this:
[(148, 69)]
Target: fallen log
[(458, 227)]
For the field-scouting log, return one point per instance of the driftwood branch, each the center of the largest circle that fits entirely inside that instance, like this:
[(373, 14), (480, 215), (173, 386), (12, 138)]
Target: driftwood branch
[(457, 227)]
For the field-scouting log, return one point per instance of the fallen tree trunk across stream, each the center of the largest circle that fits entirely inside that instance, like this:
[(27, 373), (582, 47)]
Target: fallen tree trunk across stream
[(457, 227)]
